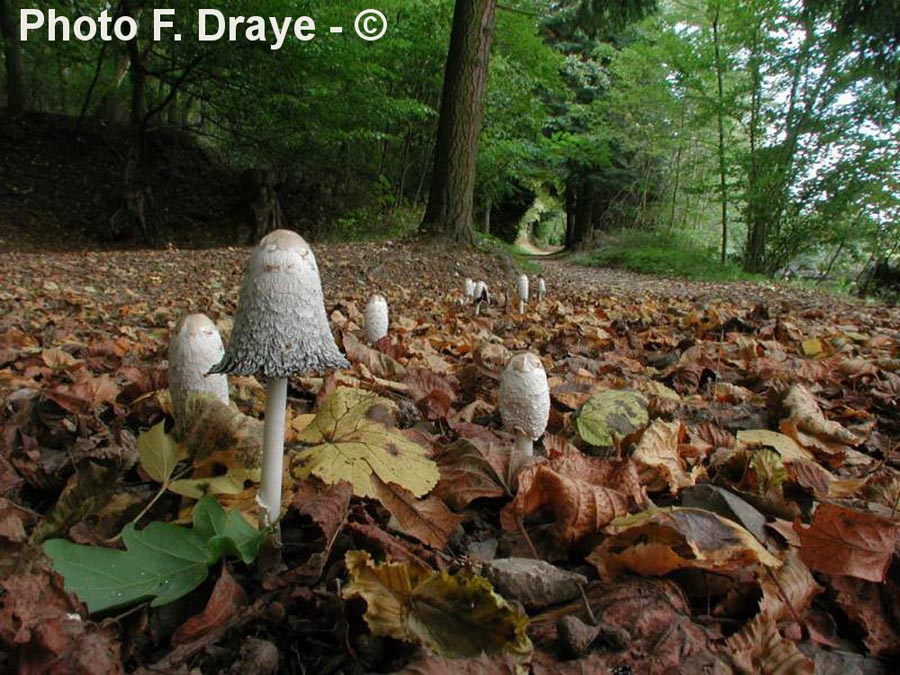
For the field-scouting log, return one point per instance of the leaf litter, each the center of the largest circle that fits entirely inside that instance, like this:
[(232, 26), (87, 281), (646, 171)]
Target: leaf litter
[(720, 467)]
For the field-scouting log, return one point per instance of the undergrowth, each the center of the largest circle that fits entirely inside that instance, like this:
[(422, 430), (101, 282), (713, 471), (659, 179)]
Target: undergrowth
[(665, 254), (523, 261)]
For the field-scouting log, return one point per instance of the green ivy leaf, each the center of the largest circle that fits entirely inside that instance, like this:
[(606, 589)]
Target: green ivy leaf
[(163, 562)]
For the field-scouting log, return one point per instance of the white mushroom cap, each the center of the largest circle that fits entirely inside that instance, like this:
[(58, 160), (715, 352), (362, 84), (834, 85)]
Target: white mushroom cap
[(525, 396), (522, 287), (281, 327), (194, 348), (541, 286), (377, 321), (469, 288)]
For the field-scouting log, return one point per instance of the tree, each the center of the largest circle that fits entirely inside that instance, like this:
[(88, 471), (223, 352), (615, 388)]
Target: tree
[(16, 93), (450, 210)]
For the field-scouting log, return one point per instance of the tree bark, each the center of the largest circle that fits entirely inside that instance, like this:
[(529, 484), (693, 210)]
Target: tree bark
[(720, 118), (450, 211), (16, 93)]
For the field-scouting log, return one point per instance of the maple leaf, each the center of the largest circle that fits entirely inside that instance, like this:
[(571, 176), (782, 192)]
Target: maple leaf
[(846, 542), (351, 440)]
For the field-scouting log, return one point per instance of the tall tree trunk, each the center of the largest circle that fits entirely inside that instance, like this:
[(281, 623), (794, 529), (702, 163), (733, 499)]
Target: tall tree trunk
[(720, 118), (584, 212), (677, 177), (571, 206), (16, 94), (450, 211)]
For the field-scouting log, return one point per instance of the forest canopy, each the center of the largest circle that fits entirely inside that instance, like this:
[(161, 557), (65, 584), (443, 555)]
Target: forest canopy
[(765, 130)]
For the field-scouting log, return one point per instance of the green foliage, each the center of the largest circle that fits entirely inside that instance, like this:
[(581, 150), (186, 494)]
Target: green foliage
[(523, 261), (163, 562), (663, 253)]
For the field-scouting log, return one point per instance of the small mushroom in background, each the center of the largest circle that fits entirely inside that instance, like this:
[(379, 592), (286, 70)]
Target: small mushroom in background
[(469, 290), (525, 400), (482, 294), (377, 321), (280, 328), (194, 348), (522, 291), (541, 288)]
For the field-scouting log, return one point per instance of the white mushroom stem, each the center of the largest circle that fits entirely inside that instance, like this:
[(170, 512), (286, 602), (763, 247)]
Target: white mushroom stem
[(524, 443), (522, 291), (269, 495)]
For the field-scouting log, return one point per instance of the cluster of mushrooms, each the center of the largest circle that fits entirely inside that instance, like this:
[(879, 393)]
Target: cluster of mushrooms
[(281, 329), (477, 293)]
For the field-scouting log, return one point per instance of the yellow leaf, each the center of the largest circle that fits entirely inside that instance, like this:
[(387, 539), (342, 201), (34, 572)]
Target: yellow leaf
[(789, 449), (454, 616), (811, 348), (352, 438), (158, 452)]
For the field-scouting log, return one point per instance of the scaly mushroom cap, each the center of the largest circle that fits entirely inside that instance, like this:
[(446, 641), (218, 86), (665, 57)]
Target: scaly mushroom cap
[(522, 288), (281, 327), (525, 396), (541, 286), (377, 321), (194, 348)]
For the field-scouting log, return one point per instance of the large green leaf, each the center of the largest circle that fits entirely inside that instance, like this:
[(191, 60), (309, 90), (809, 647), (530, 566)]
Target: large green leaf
[(162, 562)]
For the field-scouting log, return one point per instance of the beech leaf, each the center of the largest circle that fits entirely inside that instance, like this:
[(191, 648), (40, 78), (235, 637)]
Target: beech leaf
[(845, 542), (428, 520)]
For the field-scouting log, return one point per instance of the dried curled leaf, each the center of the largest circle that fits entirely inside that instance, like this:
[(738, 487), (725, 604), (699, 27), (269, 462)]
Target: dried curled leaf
[(658, 452), (454, 616), (212, 426), (656, 542), (353, 438), (809, 418), (428, 520), (583, 493), (759, 648)]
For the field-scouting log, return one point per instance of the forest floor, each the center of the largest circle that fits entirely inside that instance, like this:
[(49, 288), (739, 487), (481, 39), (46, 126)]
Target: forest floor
[(717, 489)]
